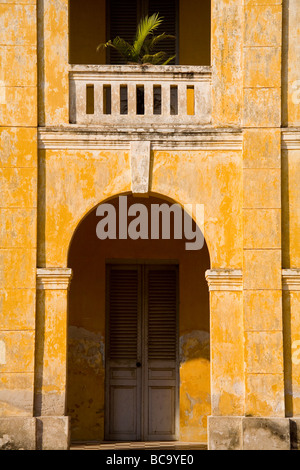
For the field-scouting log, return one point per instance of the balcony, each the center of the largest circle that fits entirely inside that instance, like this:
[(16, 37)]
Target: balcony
[(138, 97)]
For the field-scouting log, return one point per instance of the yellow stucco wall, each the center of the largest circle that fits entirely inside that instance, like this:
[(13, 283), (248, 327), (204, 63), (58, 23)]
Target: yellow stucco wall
[(185, 177), (18, 189), (251, 198)]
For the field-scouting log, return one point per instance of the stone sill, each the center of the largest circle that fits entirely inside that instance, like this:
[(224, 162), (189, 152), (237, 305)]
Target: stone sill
[(186, 71)]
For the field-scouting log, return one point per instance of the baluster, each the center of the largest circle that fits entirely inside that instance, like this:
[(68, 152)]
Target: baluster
[(98, 100), (198, 99), (81, 101), (132, 99), (182, 99), (115, 99), (165, 96), (148, 99)]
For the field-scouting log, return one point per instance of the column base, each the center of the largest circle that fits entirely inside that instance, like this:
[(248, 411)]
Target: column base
[(295, 433), (240, 433), (17, 433), (53, 433), (43, 433)]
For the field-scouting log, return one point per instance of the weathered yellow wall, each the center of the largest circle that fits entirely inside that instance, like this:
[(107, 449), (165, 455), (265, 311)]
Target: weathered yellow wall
[(291, 201), (53, 52), (18, 186), (251, 200), (291, 64), (86, 372), (212, 178), (262, 270), (226, 60)]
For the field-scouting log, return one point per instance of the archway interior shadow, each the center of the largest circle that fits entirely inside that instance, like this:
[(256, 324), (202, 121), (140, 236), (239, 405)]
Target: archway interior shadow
[(88, 257)]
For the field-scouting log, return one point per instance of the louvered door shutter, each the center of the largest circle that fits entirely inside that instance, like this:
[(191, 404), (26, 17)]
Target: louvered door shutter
[(123, 23), (162, 314), (123, 314), (161, 381), (167, 9)]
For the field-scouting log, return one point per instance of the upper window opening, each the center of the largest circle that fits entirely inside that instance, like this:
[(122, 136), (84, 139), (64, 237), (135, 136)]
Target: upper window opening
[(95, 21), (124, 17)]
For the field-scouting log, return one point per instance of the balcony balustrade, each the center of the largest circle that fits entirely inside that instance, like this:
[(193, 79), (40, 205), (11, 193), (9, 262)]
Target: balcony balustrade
[(137, 96)]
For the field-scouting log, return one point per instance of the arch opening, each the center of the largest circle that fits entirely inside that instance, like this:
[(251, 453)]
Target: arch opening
[(91, 386)]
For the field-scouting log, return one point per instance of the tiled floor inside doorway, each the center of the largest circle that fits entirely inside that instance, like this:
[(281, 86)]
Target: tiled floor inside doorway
[(139, 446)]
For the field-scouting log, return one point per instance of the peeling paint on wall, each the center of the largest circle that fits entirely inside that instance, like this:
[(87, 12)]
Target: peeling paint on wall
[(2, 353), (86, 372), (86, 350), (2, 92), (194, 344), (195, 402)]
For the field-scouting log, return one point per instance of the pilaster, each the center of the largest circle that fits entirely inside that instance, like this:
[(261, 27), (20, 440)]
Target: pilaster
[(227, 357), (18, 214), (262, 209), (51, 346)]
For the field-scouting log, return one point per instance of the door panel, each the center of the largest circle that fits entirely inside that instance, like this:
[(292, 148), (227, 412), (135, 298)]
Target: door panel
[(142, 365), (161, 412), (161, 304), (123, 389)]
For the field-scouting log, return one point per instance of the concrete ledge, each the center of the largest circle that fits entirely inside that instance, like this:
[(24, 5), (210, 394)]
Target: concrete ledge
[(53, 433), (225, 433), (295, 433), (17, 433), (240, 433), (266, 434)]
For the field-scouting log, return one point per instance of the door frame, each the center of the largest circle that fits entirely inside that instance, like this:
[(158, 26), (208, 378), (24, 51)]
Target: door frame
[(142, 262)]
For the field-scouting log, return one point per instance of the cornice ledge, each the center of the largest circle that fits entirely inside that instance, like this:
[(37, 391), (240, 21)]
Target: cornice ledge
[(225, 280), (291, 279), (53, 278), (290, 139), (75, 137)]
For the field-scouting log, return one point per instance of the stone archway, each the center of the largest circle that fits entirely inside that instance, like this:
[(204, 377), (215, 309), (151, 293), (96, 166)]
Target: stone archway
[(88, 258)]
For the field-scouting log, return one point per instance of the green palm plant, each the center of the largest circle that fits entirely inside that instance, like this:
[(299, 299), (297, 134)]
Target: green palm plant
[(142, 51)]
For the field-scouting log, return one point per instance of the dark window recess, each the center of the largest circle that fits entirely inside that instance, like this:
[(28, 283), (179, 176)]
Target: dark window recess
[(157, 99), (90, 103), (169, 11), (107, 99), (122, 22), (124, 16), (123, 99), (140, 99), (174, 100)]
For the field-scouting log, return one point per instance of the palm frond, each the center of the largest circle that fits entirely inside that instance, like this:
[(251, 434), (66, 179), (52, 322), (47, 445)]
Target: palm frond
[(154, 59), (169, 60), (152, 42), (144, 43), (121, 46), (147, 26)]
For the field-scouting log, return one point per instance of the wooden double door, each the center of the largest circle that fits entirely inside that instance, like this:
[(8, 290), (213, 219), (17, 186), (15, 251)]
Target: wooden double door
[(142, 393)]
